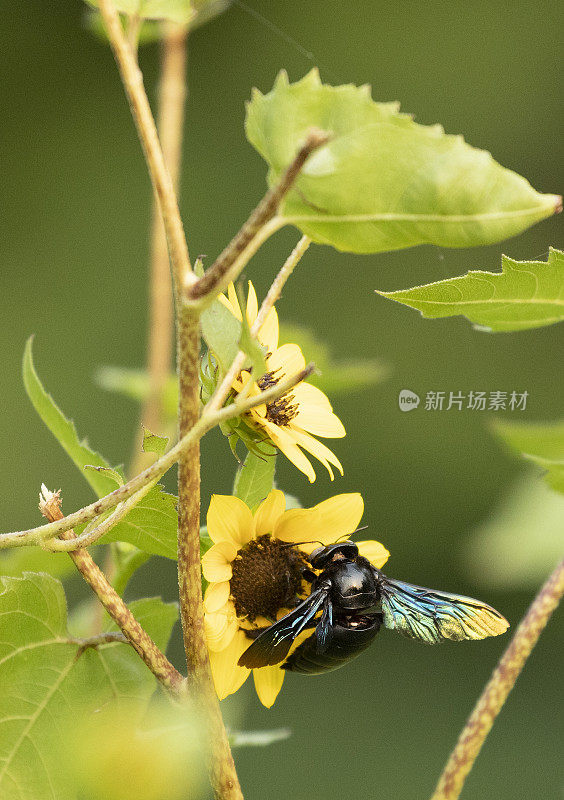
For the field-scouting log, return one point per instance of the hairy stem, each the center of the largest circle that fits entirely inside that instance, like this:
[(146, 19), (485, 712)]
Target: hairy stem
[(172, 95), (133, 83), (155, 659), (223, 775), (498, 687), (229, 264), (272, 296)]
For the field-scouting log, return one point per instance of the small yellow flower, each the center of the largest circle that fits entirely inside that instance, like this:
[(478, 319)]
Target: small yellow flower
[(289, 421), (254, 578)]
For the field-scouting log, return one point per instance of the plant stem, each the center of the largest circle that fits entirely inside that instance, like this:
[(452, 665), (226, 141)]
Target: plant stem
[(498, 687), (133, 83), (272, 296), (223, 776), (172, 96), (228, 265), (35, 536), (160, 666)]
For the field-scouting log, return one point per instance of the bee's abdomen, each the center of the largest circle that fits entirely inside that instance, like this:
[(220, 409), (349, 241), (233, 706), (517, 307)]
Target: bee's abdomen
[(346, 643)]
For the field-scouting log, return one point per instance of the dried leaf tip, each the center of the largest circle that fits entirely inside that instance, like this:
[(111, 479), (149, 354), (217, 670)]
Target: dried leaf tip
[(50, 503)]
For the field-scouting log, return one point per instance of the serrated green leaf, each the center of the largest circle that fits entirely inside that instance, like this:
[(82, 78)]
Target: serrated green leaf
[(110, 473), (151, 526), (541, 443), (174, 10), (332, 377), (135, 384), (153, 443), (255, 479), (525, 294), (518, 545), (15, 562), (46, 682), (222, 332), (384, 182), (63, 429)]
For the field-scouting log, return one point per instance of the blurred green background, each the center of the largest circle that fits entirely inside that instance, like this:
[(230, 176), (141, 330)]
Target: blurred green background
[(73, 248)]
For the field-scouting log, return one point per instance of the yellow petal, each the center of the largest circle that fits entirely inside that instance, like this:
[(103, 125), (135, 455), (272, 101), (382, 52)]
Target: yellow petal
[(220, 628), (298, 525), (227, 676), (252, 305), (340, 515), (288, 358), (269, 511), (323, 524), (234, 301), (287, 445), (317, 449), (268, 682), (315, 414), (216, 563), (229, 520), (268, 334), (375, 552), (216, 596)]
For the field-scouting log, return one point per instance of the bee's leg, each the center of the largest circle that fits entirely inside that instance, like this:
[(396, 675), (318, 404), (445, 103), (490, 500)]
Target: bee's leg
[(308, 575)]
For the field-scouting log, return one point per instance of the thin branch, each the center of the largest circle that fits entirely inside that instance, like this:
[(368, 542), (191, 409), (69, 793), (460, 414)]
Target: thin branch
[(34, 536), (498, 687), (134, 25), (237, 253), (91, 535), (157, 662), (172, 96), (272, 296), (99, 638), (133, 83)]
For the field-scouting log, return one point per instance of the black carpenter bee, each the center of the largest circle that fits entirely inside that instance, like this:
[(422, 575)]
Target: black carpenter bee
[(354, 600)]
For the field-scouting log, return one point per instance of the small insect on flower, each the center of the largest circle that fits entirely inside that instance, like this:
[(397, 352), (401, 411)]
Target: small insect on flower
[(258, 569), (294, 420)]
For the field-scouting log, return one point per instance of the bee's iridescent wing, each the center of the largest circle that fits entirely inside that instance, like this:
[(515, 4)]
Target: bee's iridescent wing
[(273, 645), (434, 616)]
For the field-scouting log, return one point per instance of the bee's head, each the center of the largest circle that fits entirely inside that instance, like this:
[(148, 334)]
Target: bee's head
[(331, 552)]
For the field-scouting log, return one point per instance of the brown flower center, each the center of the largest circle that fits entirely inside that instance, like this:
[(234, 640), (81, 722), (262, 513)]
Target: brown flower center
[(283, 410), (267, 576)]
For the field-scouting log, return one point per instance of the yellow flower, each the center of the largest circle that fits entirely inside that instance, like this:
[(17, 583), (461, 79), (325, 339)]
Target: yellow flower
[(289, 421), (254, 577)]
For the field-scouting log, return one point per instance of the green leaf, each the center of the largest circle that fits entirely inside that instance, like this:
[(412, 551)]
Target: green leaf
[(332, 377), (113, 474), (18, 560), (153, 443), (222, 333), (173, 10), (128, 559), (255, 479), (155, 616), (541, 443), (384, 182), (134, 383), (518, 545), (151, 526), (63, 429), (48, 682), (525, 294)]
